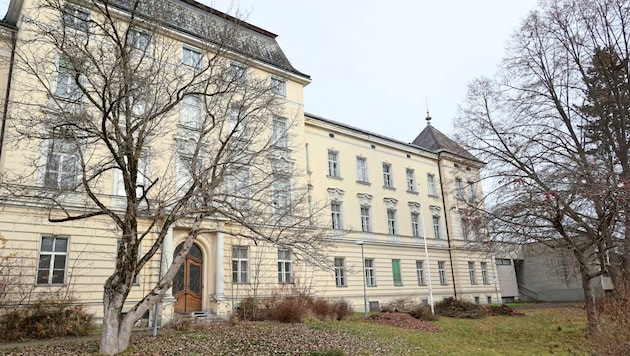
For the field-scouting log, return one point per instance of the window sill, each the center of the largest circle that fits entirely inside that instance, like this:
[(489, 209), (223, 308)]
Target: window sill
[(413, 192), (398, 285), (342, 286), (433, 196), (389, 188), (372, 286), (363, 182), (334, 177)]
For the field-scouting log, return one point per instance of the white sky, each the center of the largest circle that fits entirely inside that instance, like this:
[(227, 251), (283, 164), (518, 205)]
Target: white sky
[(375, 64)]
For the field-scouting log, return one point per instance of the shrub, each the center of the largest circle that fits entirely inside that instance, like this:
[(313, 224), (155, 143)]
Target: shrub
[(454, 308), (422, 312), (398, 305), (45, 319), (288, 310), (341, 309), (248, 309), (615, 321), (322, 308)]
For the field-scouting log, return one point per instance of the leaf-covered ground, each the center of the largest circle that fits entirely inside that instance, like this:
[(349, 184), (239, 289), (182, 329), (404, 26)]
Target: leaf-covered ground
[(255, 338)]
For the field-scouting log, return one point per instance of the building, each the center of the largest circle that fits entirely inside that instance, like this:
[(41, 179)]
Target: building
[(399, 213)]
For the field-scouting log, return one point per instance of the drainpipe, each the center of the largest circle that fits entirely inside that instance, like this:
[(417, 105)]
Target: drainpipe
[(5, 109), (448, 236)]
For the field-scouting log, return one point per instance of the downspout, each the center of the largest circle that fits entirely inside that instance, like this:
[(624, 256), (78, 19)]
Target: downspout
[(448, 236), (5, 109)]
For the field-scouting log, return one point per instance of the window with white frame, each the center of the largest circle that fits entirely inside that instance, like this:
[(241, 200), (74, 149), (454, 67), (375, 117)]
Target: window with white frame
[(388, 179), (368, 268), (62, 166), (415, 224), (503, 261), (366, 224), (281, 190), (280, 134), (67, 85), (53, 257), (240, 264), (436, 227), (484, 273), (472, 190), (142, 177), (432, 189), (191, 112), (471, 272), (362, 174), (139, 40), (236, 72), (285, 270), (459, 188), (442, 272), (391, 222), (420, 272), (279, 86), (333, 164), (76, 18), (335, 211), (465, 229), (239, 189), (411, 180), (191, 57), (340, 272)]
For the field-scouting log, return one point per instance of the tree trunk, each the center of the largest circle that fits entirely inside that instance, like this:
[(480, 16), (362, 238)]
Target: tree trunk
[(116, 329), (592, 316)]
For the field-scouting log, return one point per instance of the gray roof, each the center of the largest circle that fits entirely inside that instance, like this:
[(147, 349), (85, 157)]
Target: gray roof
[(435, 141), (206, 23)]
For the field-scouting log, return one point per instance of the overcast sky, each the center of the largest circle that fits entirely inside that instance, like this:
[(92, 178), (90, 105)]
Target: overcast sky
[(376, 64)]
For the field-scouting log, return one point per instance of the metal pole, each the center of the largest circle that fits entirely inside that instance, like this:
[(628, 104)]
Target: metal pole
[(426, 255), (365, 303)]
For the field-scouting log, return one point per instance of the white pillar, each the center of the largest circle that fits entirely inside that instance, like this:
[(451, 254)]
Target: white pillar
[(219, 293), (167, 259)]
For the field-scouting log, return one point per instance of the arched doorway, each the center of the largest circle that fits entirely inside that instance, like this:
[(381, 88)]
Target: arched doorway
[(187, 284)]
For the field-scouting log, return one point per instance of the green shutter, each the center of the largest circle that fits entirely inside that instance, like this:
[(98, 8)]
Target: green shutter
[(396, 272)]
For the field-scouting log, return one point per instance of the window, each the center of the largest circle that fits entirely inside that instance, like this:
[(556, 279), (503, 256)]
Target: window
[(391, 221), (436, 227), (142, 177), (489, 299), (366, 225), (388, 181), (415, 224), (76, 18), (471, 272), (236, 73), (139, 40), (191, 57), (53, 254), (333, 164), (370, 277), (465, 230), (279, 86), (503, 261), (239, 188), (362, 175), (335, 210), (62, 168), (484, 273), (284, 266), (240, 264), (442, 272), (476, 300), (67, 86), (279, 132), (420, 272), (411, 180), (472, 190), (431, 185), (190, 112), (396, 272), (459, 188), (281, 190), (340, 272)]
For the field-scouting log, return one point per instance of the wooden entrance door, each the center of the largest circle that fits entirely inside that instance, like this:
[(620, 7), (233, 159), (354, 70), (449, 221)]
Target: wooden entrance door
[(187, 286)]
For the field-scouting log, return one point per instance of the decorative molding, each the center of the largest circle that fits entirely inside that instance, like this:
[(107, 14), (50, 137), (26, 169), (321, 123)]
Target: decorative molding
[(336, 194), (364, 199), (414, 207), (390, 203), (435, 210)]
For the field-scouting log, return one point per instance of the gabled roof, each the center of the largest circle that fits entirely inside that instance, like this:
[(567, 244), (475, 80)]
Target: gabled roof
[(435, 141)]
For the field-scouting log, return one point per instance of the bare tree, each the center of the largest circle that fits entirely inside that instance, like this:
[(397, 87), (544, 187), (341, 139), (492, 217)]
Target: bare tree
[(187, 143), (556, 153)]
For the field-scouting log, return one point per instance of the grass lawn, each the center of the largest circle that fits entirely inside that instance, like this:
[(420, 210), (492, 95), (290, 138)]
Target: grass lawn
[(541, 331), (558, 331)]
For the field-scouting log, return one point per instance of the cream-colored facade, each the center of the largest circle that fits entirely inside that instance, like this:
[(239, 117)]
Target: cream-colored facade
[(392, 202)]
